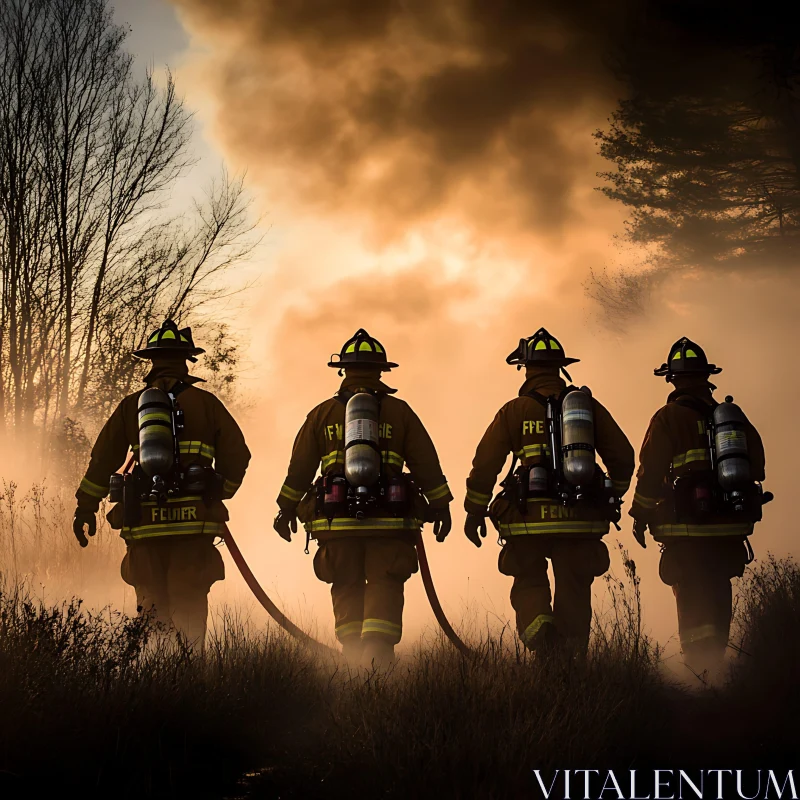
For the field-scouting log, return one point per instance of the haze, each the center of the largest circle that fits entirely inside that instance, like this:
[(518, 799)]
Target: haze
[(427, 171)]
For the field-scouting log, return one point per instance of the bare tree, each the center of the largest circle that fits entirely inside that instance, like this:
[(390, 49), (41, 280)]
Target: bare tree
[(89, 261)]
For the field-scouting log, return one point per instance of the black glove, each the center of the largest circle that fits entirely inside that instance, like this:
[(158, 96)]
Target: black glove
[(87, 519), (442, 523), (285, 524), (639, 529), (473, 526)]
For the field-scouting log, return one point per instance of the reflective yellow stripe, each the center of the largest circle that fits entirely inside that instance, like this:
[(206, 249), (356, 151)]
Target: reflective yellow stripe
[(533, 450), (620, 487), (291, 494), (157, 432), (332, 458), (190, 448), (533, 628), (189, 498), (438, 492), (172, 529), (93, 489), (349, 629), (689, 456), (161, 416), (478, 498), (725, 529), (230, 487), (196, 448), (644, 501), (389, 457), (382, 626), (572, 526), (699, 633), (374, 523)]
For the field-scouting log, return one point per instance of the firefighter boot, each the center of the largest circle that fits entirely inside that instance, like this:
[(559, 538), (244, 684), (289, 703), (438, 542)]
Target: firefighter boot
[(352, 649), (546, 639), (377, 654)]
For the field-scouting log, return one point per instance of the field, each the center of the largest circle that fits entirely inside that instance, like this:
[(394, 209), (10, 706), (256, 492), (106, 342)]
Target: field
[(98, 705)]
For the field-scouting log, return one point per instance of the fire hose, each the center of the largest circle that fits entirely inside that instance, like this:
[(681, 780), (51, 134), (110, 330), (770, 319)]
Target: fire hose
[(263, 597), (433, 599), (301, 635)]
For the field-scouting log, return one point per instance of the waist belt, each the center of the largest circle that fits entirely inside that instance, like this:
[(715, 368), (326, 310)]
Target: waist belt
[(179, 516), (568, 528), (676, 530), (338, 524)]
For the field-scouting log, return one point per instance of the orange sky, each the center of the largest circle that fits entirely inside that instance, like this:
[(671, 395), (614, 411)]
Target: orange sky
[(430, 175)]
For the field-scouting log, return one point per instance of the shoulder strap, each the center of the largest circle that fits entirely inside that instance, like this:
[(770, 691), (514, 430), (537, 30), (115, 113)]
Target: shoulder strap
[(343, 395), (542, 400), (539, 398), (179, 387), (688, 400)]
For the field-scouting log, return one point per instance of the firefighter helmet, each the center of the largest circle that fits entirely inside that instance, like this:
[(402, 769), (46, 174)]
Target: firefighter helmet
[(363, 351), (169, 341), (541, 348), (686, 358)]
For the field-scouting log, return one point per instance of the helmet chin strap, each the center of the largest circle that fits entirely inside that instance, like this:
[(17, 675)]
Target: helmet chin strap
[(566, 374)]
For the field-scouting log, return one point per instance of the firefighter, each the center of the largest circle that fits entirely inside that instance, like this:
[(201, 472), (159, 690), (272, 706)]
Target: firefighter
[(702, 547), (365, 533), (168, 520), (534, 525)]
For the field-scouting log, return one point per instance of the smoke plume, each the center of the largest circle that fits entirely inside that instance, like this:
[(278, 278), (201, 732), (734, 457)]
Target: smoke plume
[(430, 172), (410, 110)]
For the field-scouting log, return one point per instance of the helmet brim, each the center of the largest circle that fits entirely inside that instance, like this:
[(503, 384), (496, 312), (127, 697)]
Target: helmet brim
[(386, 365), (513, 360), (149, 353), (709, 369)]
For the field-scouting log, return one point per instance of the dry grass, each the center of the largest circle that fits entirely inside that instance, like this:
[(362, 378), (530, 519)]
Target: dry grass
[(36, 540), (97, 704)]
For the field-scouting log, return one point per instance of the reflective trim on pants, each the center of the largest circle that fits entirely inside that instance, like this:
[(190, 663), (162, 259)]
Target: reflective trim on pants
[(532, 629), (383, 627), (349, 629), (701, 632)]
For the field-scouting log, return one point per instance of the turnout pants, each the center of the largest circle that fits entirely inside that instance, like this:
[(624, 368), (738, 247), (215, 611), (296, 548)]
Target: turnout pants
[(172, 576), (576, 563), (699, 571), (366, 576)]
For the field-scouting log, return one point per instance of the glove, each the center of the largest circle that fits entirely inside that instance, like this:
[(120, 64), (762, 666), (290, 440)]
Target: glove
[(442, 523), (285, 524), (84, 518), (473, 526), (639, 529)]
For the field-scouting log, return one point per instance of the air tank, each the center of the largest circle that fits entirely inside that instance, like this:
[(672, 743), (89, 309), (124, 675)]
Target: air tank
[(362, 458), (156, 445), (730, 443), (577, 438)]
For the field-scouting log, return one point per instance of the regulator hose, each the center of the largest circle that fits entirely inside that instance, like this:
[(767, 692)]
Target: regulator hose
[(263, 597)]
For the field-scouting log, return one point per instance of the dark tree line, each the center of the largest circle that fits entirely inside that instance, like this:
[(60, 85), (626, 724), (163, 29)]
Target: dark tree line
[(705, 146), (91, 257)]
